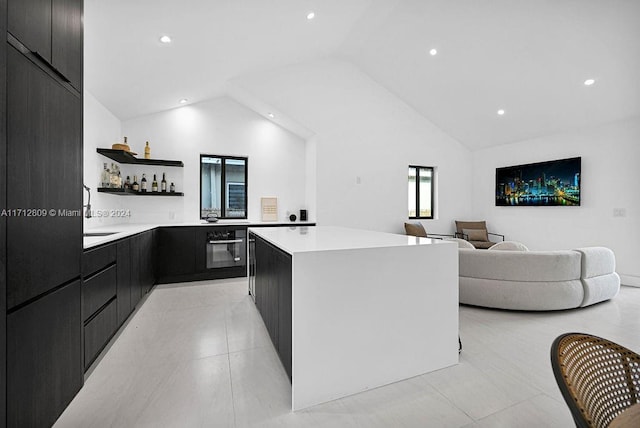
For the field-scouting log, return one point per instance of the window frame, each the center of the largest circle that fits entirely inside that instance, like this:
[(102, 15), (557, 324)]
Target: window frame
[(223, 185), (417, 195)]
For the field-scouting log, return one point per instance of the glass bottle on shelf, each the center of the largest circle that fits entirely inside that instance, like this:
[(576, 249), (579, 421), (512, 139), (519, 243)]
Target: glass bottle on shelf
[(143, 183), (163, 184), (172, 188), (104, 176), (154, 184), (147, 151), (127, 183), (135, 186)]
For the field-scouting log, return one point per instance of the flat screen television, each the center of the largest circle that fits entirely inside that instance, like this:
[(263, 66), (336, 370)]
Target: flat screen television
[(551, 183)]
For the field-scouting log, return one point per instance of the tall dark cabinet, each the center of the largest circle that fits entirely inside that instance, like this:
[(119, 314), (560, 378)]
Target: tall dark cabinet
[(41, 193)]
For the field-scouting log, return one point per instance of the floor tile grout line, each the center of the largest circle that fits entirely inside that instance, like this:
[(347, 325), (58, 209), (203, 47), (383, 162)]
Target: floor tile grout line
[(233, 400)]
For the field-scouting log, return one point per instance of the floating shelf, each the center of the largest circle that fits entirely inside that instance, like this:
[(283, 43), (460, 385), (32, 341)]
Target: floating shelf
[(121, 156), (129, 192)]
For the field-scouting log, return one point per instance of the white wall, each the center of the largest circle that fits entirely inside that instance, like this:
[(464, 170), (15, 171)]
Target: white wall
[(221, 126), (101, 129), (610, 158), (362, 130)]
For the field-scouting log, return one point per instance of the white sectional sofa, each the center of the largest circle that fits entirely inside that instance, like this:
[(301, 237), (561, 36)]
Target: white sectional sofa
[(537, 280)]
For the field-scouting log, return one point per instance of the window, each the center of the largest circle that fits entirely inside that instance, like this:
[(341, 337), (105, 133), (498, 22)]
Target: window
[(223, 186), (420, 191)]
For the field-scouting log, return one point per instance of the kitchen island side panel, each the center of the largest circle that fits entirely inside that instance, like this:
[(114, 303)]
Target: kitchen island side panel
[(368, 317)]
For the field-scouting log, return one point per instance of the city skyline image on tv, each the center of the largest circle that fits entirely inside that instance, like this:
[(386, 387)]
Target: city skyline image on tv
[(551, 183)]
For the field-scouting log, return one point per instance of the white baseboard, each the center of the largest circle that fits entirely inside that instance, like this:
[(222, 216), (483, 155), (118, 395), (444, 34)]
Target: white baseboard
[(629, 280)]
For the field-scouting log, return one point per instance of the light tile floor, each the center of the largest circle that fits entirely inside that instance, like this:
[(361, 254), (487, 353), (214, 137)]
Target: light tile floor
[(198, 355)]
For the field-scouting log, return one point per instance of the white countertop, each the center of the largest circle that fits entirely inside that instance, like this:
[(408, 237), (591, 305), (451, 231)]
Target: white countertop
[(123, 230), (327, 238)]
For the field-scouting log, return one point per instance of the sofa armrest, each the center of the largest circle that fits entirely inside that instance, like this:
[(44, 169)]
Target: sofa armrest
[(496, 234), (597, 261)]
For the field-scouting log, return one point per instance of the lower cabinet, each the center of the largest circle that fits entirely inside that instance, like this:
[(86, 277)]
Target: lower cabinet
[(44, 354), (273, 293), (123, 280), (98, 330)]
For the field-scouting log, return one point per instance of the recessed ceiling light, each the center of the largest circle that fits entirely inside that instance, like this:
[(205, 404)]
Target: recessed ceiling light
[(500, 112), (433, 52), (271, 115), (165, 39), (183, 101), (311, 15), (589, 82)]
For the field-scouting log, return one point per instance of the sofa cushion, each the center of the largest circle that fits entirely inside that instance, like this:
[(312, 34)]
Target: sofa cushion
[(561, 265), (509, 246), (476, 234), (415, 229), (461, 243), (597, 261)]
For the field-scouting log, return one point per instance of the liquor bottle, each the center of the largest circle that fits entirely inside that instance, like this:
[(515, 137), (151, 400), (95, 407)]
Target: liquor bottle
[(104, 176), (172, 188), (119, 180), (163, 184), (154, 184), (143, 183), (127, 183), (135, 186), (147, 151)]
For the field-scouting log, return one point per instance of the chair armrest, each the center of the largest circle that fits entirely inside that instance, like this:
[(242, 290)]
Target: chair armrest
[(438, 235), (496, 234)]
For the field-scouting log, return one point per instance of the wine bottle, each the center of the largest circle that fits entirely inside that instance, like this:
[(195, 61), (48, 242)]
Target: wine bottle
[(154, 184), (135, 186), (127, 183), (163, 183), (143, 183), (147, 151), (172, 188)]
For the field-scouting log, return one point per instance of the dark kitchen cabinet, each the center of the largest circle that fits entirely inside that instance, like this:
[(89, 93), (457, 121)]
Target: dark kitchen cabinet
[(123, 282), (273, 294), (3, 219), (142, 265), (44, 357), (53, 30), (98, 330), (176, 251), (44, 175)]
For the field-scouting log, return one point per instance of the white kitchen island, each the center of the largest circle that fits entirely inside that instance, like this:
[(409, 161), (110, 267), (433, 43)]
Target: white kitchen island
[(352, 310)]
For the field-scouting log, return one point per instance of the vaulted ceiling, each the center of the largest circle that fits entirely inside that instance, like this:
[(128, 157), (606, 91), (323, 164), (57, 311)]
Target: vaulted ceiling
[(529, 58)]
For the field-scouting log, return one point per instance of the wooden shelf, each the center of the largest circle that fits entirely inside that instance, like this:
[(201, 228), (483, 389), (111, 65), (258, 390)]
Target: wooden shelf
[(129, 192), (121, 156)]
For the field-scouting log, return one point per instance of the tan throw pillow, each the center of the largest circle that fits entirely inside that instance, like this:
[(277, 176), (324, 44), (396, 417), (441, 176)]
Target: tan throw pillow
[(476, 234)]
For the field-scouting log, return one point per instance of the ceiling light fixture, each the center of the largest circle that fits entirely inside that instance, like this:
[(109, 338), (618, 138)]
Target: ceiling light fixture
[(500, 112), (165, 39), (271, 115), (433, 52), (589, 82), (311, 15), (183, 101)]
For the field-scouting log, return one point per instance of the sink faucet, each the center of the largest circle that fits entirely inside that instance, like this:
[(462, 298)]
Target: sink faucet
[(87, 213)]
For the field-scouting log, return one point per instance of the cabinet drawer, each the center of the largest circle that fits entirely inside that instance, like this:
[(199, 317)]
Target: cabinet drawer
[(98, 331), (94, 260), (98, 290)]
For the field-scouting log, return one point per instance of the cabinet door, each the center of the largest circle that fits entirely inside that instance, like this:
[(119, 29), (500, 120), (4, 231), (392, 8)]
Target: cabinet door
[(44, 172), (266, 287), (146, 262), (44, 358), (66, 39), (136, 284), (284, 285), (123, 282), (176, 251), (3, 220), (30, 22)]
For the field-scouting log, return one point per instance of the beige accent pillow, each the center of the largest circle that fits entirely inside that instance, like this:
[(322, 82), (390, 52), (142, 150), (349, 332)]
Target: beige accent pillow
[(476, 234), (509, 246)]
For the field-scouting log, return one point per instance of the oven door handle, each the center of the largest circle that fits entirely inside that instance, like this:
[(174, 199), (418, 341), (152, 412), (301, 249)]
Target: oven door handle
[(226, 241)]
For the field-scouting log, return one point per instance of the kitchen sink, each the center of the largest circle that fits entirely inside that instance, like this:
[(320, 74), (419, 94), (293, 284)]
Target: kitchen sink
[(90, 234)]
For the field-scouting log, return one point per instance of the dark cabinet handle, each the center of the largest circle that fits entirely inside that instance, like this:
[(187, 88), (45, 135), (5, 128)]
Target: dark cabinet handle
[(51, 67)]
